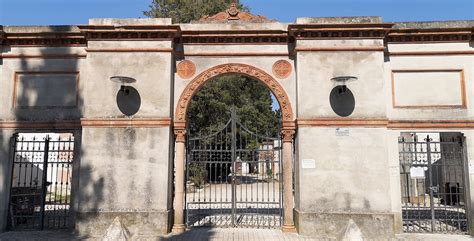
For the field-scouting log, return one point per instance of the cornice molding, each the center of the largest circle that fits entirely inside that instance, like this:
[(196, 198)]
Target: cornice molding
[(53, 39), (341, 49), (235, 37), (385, 123), (89, 123), (182, 54), (430, 35), (287, 125), (130, 50), (431, 124), (339, 31), (43, 56), (430, 53), (132, 32), (342, 122), (80, 35)]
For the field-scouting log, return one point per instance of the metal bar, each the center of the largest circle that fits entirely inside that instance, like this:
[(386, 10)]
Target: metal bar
[(227, 153), (430, 173), (45, 179), (442, 161), (234, 196)]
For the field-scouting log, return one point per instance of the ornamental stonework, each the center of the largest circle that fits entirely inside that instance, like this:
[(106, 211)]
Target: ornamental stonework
[(186, 69), (282, 69), (288, 135), (232, 15), (180, 135), (243, 69)]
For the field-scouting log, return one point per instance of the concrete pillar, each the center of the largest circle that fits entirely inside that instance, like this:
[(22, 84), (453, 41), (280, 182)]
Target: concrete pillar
[(178, 226), (288, 201)]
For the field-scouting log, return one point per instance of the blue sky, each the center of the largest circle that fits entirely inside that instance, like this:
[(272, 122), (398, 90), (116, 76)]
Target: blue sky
[(63, 12)]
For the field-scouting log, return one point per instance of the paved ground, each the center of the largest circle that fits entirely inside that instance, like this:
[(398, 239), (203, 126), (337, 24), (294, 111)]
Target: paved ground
[(210, 234)]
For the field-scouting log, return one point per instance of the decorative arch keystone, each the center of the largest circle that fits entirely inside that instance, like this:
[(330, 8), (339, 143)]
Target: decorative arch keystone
[(233, 68)]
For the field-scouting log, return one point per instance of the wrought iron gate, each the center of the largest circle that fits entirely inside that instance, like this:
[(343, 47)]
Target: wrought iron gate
[(432, 182), (233, 178), (40, 193)]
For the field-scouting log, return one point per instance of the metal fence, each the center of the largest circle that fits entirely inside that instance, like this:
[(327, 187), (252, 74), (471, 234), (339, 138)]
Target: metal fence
[(433, 182), (40, 193), (233, 179)]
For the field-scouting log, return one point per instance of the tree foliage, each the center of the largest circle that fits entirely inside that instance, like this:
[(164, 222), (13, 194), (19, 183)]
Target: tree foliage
[(185, 11), (210, 107)]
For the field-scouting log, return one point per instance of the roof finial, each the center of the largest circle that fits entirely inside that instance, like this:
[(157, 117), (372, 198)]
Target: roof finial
[(233, 15), (233, 11)]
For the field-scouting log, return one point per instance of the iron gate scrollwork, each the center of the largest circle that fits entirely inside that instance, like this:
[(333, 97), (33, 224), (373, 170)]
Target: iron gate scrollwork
[(233, 178), (433, 182), (40, 191)]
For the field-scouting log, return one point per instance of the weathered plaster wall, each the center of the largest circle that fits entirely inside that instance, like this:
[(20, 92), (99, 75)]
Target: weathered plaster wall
[(315, 70), (431, 62), (151, 70), (30, 93), (349, 181), (124, 173)]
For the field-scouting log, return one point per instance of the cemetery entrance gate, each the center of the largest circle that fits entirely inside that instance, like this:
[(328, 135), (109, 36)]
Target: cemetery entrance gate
[(233, 178)]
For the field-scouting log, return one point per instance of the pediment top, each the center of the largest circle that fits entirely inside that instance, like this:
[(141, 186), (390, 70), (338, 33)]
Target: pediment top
[(234, 15)]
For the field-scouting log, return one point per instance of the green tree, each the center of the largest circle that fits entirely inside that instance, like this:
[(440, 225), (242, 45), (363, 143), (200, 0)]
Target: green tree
[(210, 107), (185, 11)]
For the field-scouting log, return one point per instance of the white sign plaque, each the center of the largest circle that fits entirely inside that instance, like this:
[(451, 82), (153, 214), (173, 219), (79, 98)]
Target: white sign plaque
[(342, 132), (308, 164), (417, 173)]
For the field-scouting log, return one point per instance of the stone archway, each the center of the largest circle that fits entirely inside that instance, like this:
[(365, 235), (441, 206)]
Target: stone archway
[(233, 68), (288, 131)]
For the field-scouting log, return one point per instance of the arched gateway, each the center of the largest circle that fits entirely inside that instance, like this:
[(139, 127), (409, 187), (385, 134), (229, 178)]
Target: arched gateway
[(394, 161), (287, 132)]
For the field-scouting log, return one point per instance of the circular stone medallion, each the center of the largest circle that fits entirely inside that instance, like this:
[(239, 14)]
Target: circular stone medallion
[(186, 69), (282, 69)]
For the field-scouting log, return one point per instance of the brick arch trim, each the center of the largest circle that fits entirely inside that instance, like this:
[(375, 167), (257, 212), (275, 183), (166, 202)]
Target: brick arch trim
[(234, 68)]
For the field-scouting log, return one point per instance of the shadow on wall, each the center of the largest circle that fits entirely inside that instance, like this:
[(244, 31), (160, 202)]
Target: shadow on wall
[(49, 91)]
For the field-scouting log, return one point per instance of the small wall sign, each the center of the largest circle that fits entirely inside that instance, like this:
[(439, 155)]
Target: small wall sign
[(308, 164), (417, 173), (342, 132)]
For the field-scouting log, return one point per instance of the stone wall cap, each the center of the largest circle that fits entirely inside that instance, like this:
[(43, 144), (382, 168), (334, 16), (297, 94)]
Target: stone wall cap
[(130, 21), (234, 26), (41, 29), (434, 24), (339, 20)]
